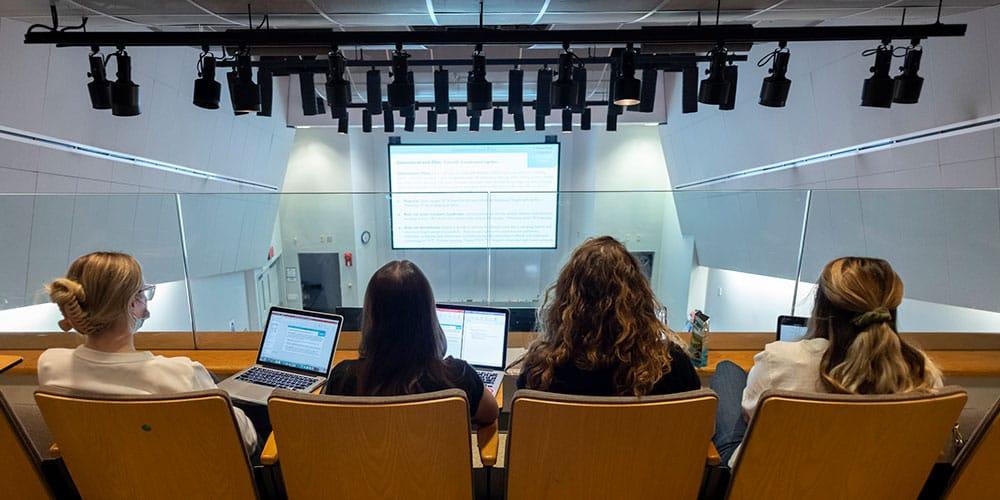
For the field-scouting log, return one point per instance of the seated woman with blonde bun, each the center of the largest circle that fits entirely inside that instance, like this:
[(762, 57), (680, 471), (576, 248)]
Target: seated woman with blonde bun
[(103, 297)]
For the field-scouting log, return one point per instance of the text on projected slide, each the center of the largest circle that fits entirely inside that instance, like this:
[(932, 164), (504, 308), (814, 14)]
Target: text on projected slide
[(299, 342), (474, 196)]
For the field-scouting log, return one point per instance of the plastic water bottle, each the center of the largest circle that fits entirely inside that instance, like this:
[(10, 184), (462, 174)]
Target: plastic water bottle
[(698, 327)]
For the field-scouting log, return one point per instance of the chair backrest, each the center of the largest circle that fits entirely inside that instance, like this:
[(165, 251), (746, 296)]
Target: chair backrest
[(975, 474), (162, 446), (415, 447), (20, 471), (564, 446), (817, 446)]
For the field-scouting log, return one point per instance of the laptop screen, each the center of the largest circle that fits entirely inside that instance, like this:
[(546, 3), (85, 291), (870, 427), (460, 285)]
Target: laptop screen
[(299, 340), (477, 335), (792, 328)]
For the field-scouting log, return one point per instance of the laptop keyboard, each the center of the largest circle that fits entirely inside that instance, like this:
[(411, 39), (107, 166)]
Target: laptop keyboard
[(274, 378), (488, 377)]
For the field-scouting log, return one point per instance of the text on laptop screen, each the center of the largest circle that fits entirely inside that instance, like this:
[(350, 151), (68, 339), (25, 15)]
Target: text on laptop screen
[(301, 342), (791, 333), (474, 336)]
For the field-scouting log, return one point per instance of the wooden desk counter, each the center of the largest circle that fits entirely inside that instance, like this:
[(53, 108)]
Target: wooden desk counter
[(972, 363), (8, 361)]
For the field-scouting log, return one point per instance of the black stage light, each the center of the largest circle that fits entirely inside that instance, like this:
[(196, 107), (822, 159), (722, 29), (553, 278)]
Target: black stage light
[(479, 91), (366, 120), (99, 87), (515, 91), (321, 107), (307, 90), (409, 122), (519, 122), (231, 80), (585, 119), (715, 88), (388, 119), (474, 122), (266, 89), (647, 97), (580, 79), (539, 121), (907, 85), (452, 120), (543, 94), (689, 89), (342, 123), (374, 92), (124, 92), (877, 90), (729, 100), (432, 120), (497, 118), (564, 87), (246, 94), (774, 89), (612, 122), (401, 90), (207, 91), (567, 120), (627, 87), (338, 88), (441, 99)]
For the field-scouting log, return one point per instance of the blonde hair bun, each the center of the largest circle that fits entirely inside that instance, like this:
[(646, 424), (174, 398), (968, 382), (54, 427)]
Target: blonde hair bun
[(71, 298)]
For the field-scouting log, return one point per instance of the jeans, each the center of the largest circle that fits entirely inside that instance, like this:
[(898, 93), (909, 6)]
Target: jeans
[(730, 426)]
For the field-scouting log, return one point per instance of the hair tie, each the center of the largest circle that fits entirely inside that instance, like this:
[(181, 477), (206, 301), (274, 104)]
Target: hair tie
[(878, 315)]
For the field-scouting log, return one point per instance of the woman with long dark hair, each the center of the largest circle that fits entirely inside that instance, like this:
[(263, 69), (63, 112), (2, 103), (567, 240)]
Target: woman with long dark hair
[(403, 347)]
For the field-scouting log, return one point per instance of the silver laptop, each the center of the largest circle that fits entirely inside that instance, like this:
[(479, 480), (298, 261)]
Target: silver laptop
[(477, 335), (295, 353)]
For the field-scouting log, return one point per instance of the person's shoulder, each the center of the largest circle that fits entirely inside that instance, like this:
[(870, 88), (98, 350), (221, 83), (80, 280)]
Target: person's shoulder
[(344, 367), (457, 366), (54, 355), (805, 348)]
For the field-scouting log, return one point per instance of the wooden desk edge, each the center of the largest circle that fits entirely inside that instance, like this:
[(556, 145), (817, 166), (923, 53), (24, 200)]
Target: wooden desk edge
[(9, 361)]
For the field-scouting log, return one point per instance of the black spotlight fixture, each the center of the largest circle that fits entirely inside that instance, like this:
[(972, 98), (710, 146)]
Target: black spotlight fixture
[(774, 90), (543, 94), (580, 79), (99, 87), (388, 119), (245, 93), (474, 121), (479, 91), (338, 88), (627, 86), (539, 121), (564, 87), (207, 91), (402, 92), (266, 87), (441, 99), (878, 88), (409, 122), (612, 124), (342, 124), (729, 100), (432, 120), (907, 85), (515, 92), (374, 92), (497, 118), (124, 92), (715, 88), (585, 119), (452, 120), (518, 122), (567, 120), (366, 120)]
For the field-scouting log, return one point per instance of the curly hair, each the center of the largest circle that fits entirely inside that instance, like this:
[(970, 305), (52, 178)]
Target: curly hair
[(599, 314)]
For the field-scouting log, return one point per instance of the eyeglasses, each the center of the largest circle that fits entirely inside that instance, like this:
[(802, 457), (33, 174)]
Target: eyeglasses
[(148, 291)]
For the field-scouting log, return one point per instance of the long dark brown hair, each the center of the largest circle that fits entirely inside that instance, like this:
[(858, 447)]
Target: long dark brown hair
[(402, 344), (599, 314), (855, 309)]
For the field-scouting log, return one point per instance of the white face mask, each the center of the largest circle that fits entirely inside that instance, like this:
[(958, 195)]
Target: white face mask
[(138, 321)]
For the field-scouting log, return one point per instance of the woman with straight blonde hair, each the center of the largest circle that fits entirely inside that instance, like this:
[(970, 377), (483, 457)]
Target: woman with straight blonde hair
[(600, 335), (852, 347), (104, 298)]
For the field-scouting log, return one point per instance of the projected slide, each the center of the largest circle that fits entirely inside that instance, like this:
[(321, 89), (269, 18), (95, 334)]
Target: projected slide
[(474, 196)]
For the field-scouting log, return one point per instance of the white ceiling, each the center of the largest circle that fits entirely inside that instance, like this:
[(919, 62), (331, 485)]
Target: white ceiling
[(395, 14)]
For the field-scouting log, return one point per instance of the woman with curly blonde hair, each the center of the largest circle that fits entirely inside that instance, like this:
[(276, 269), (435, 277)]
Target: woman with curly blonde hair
[(600, 334)]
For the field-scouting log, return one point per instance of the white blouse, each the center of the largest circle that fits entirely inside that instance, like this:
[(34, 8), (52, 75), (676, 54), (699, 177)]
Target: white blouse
[(130, 373)]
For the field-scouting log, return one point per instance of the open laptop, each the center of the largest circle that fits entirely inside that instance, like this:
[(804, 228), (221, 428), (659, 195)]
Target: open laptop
[(477, 335), (295, 353), (791, 328)]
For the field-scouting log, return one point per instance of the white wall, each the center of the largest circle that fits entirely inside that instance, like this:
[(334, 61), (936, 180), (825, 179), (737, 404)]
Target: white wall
[(324, 161)]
